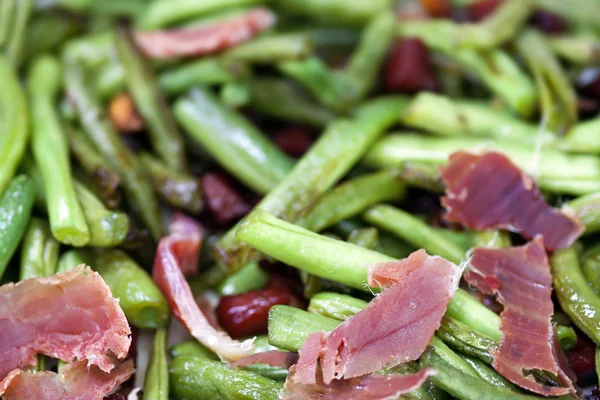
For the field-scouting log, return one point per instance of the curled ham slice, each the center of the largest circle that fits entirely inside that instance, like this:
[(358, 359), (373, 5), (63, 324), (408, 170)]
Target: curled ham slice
[(70, 315), (370, 387), (521, 280), (74, 382), (489, 191), (206, 38), (181, 247), (274, 358)]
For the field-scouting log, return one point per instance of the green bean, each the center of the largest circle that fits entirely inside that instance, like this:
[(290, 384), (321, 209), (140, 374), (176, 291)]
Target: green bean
[(414, 231), (582, 50), (500, 26), (281, 99), (554, 170), (597, 361), (105, 180), (350, 12), (16, 203), (203, 379), (567, 337), (365, 237), (345, 263), (485, 372), (575, 297), (107, 228), (192, 348), (164, 13), (557, 96), (422, 175), (441, 115), (207, 279), (14, 119), (465, 340), (7, 9), (18, 27), (71, 259), (331, 37), (261, 344), (236, 144), (582, 138), (39, 251), (156, 383), (591, 268), (578, 12), (352, 197), (143, 87), (141, 301), (336, 151), (207, 71), (587, 209), (335, 305), (48, 31), (51, 153), (250, 277), (178, 189), (91, 51), (495, 239), (138, 189), (235, 94), (272, 48)]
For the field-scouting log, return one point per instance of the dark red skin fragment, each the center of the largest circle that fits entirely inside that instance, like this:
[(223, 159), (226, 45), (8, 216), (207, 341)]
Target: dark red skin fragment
[(293, 141), (581, 358), (481, 9), (247, 314), (408, 67), (222, 199), (437, 8), (549, 22)]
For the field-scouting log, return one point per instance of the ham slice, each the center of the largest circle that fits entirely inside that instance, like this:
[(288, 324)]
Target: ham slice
[(274, 358), (370, 387), (70, 315), (521, 280), (398, 324), (181, 247), (489, 191), (74, 382), (206, 38)]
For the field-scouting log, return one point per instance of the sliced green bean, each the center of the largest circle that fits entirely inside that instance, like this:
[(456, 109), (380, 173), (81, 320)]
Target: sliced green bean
[(235, 94), (582, 138), (494, 239), (272, 48), (39, 251), (578, 12), (48, 31), (567, 337), (587, 209), (281, 99), (141, 301), (14, 119), (141, 82), (335, 305), (137, 187), (576, 298), (203, 379), (350, 12), (7, 9), (352, 197), (192, 348), (236, 144), (365, 237), (16, 39), (178, 189), (591, 268), (250, 277), (71, 259), (156, 383), (51, 152), (16, 203), (582, 50)]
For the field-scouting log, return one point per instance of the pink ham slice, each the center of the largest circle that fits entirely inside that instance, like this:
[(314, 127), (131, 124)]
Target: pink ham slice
[(274, 358), (204, 39), (70, 315), (181, 247), (521, 280), (398, 324), (370, 387), (74, 382), (489, 191)]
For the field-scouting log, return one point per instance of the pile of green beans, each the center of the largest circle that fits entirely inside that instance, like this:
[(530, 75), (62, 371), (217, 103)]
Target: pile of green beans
[(362, 188)]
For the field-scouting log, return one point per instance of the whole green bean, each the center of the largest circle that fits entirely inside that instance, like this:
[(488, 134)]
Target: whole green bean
[(178, 189), (39, 251), (282, 99), (16, 203), (72, 258), (51, 152), (156, 383), (192, 348), (137, 188), (575, 297), (272, 48), (365, 237), (335, 305), (583, 50), (250, 277), (591, 268), (199, 378), (141, 82), (14, 119), (352, 197), (347, 12), (141, 301), (236, 144), (330, 157)]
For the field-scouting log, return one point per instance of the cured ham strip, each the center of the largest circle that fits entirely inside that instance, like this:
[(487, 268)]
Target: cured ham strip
[(206, 38), (371, 387), (70, 315), (489, 191), (521, 280), (398, 324), (75, 382), (181, 247), (274, 358)]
